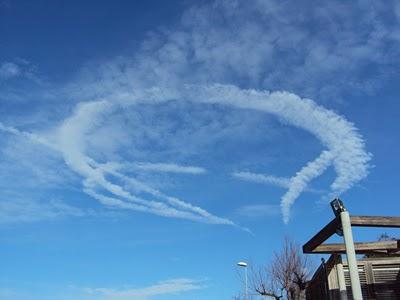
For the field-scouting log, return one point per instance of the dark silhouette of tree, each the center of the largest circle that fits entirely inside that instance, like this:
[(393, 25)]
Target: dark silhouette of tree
[(264, 284), (385, 237)]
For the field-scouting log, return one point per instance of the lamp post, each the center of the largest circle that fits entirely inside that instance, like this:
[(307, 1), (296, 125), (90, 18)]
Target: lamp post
[(244, 265), (340, 211)]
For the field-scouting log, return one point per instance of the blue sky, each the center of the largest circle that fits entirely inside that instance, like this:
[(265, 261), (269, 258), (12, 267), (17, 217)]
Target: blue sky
[(147, 147)]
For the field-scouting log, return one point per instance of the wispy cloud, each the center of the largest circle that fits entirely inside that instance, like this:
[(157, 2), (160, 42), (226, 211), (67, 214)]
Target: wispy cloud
[(349, 158), (9, 70), (184, 287), (313, 169), (282, 49), (168, 287), (23, 210), (262, 178), (169, 168), (283, 182), (18, 68), (71, 139), (259, 210), (95, 175), (201, 62)]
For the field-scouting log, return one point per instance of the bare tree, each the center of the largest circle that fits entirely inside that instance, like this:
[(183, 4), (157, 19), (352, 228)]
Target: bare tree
[(385, 237), (382, 238), (264, 284), (288, 273)]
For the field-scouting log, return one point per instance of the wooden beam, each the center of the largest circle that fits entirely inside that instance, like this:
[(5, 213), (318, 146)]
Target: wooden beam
[(356, 221), (324, 234), (370, 221), (361, 248)]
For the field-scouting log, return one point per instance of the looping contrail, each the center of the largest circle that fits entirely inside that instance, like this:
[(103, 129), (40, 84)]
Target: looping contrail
[(345, 149)]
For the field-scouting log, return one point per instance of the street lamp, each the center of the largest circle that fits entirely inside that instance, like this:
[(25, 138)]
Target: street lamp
[(340, 212), (244, 265)]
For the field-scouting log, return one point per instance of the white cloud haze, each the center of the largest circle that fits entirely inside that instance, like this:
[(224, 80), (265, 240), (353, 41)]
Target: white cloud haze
[(348, 157), (19, 68), (169, 168), (262, 178), (259, 210), (9, 70), (158, 290), (204, 62), (14, 210), (168, 287)]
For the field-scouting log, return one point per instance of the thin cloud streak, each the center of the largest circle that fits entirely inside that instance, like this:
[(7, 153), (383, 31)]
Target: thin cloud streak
[(262, 178), (72, 140), (283, 182), (259, 210), (168, 287), (95, 174), (169, 168), (18, 69), (22, 210), (348, 157), (31, 136), (300, 181), (9, 70), (346, 148)]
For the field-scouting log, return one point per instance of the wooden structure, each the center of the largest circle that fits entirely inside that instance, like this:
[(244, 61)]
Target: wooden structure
[(314, 245), (379, 270), (379, 277)]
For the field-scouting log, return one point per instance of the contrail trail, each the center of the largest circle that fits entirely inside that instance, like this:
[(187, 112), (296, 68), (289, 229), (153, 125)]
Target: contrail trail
[(345, 149)]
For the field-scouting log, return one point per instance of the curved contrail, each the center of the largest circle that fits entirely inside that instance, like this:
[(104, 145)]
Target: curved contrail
[(345, 149)]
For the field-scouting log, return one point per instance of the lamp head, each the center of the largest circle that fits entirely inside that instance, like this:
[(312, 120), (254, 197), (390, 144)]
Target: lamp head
[(242, 264), (337, 206)]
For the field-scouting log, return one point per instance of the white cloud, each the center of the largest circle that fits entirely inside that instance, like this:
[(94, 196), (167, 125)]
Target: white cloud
[(259, 210), (169, 168), (158, 290), (9, 70), (283, 182), (313, 169), (71, 144), (348, 157), (71, 140), (18, 68), (168, 287), (262, 178), (22, 210), (281, 50)]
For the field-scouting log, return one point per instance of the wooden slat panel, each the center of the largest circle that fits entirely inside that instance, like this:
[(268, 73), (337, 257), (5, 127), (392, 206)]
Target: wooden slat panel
[(363, 281), (387, 281)]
